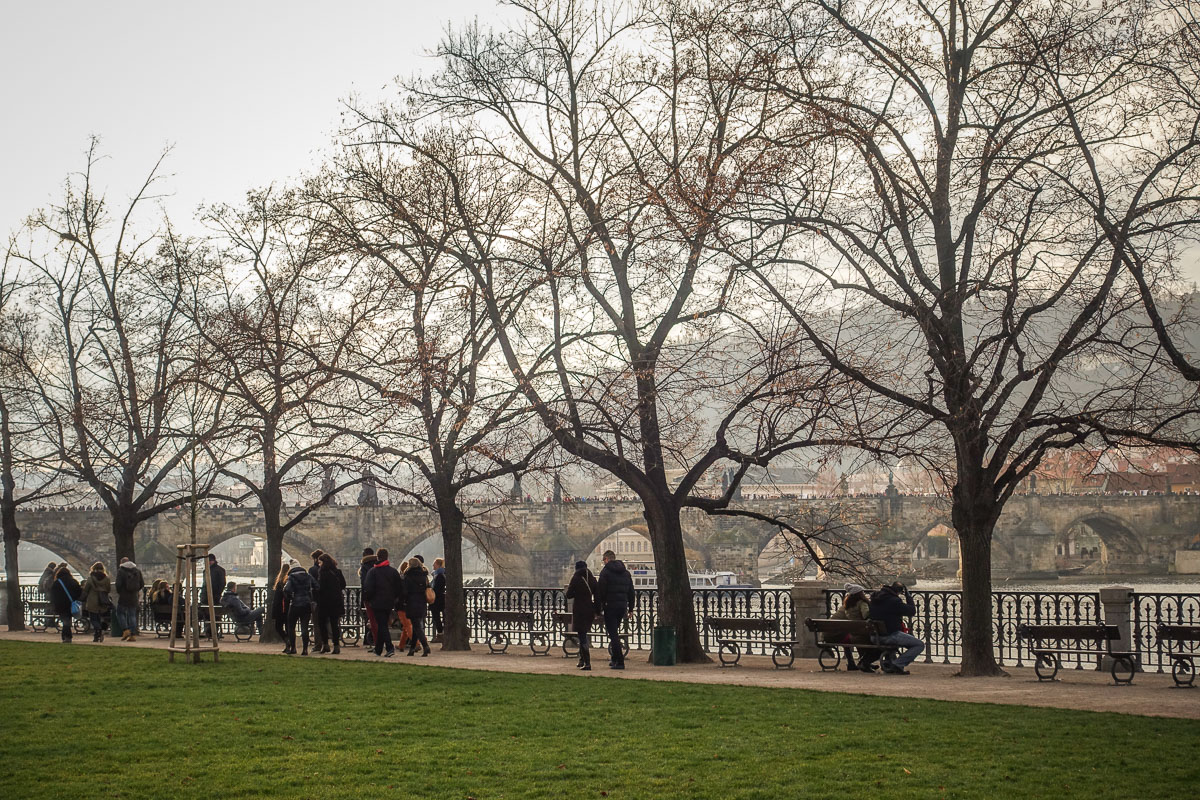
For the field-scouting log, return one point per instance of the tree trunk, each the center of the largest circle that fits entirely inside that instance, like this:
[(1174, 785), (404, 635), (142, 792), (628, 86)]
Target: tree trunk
[(274, 532), (457, 635), (978, 654), (124, 523), (15, 609), (674, 587)]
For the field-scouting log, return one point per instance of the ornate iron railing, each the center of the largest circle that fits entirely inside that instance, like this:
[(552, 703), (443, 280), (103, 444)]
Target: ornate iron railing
[(1153, 609)]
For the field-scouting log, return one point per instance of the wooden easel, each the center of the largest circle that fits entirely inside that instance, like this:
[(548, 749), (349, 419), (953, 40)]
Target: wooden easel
[(185, 581)]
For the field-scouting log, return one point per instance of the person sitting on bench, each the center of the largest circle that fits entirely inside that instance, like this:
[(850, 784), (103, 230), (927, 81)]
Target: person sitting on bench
[(856, 605), (242, 614), (888, 607)]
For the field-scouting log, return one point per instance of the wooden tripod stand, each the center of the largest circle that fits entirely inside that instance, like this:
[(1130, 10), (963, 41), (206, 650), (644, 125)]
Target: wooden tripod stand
[(185, 581)]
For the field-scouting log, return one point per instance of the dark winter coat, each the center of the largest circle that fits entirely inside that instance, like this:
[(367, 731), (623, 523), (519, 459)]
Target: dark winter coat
[(614, 587), (299, 588), (331, 593), (96, 595), (439, 590), (314, 572), (416, 581), (129, 585), (582, 589), (383, 588), (279, 608), (218, 582), (888, 607), (234, 605), (368, 562), (61, 600)]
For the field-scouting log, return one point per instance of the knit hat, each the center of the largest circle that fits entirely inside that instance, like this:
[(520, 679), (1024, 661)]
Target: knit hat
[(854, 588), (580, 565)]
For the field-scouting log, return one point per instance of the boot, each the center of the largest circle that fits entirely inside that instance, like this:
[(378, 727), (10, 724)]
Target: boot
[(303, 652), (425, 652), (126, 635), (337, 649), (412, 650)]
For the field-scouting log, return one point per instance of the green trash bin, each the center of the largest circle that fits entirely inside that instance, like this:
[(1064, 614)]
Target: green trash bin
[(662, 646)]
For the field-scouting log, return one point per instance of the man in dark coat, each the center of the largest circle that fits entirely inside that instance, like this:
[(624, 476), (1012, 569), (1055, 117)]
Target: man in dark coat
[(614, 593), (888, 607), (383, 589), (129, 584), (582, 589), (217, 574), (416, 606), (320, 635)]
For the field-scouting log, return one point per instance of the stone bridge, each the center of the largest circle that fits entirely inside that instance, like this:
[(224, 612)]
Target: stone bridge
[(540, 541)]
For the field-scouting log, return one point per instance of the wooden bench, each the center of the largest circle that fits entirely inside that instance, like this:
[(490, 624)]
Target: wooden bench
[(503, 625), (831, 635), (729, 648), (1183, 657), (1049, 642), (570, 642)]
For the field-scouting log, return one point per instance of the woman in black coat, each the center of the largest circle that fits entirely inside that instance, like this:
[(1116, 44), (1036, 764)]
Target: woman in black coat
[(416, 581), (582, 589), (64, 590), (331, 601)]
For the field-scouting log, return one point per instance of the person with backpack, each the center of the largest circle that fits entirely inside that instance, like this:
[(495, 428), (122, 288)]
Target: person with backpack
[(129, 596), (96, 599), (299, 591), (64, 591), (582, 589), (331, 602)]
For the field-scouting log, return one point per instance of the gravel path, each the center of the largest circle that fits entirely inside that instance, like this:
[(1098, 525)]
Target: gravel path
[(1087, 690)]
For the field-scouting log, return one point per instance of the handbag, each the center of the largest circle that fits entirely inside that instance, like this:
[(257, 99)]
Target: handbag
[(430, 595), (76, 606)]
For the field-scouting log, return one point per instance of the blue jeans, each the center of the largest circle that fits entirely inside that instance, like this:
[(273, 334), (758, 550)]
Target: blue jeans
[(126, 618), (911, 645)]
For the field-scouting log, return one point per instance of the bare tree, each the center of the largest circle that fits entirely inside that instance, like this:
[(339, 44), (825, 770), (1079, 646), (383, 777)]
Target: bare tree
[(271, 322), (27, 466), (965, 233), (118, 363), (626, 136), (436, 398)]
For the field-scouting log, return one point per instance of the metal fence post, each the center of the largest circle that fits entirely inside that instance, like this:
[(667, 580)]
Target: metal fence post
[(808, 600), (1117, 603)]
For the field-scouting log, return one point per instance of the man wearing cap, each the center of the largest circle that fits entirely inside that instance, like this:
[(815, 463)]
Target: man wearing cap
[(890, 608)]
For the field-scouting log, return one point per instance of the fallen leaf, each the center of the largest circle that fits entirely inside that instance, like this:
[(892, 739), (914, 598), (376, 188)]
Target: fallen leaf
[(562, 766), (289, 738), (906, 772)]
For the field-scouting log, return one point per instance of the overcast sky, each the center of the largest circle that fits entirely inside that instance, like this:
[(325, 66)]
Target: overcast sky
[(246, 92)]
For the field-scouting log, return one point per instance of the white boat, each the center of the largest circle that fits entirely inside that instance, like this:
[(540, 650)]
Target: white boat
[(646, 577)]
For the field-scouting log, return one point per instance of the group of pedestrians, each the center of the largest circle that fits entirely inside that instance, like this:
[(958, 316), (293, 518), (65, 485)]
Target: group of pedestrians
[(93, 599), (408, 593), (890, 605), (609, 597), (314, 596)]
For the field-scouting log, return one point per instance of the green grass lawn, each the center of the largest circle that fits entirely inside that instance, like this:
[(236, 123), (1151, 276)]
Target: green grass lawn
[(85, 722)]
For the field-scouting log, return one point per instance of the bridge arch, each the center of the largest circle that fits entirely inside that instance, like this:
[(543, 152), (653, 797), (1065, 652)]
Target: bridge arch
[(773, 548), (78, 555), (1096, 537), (303, 544), (638, 525), (410, 543)]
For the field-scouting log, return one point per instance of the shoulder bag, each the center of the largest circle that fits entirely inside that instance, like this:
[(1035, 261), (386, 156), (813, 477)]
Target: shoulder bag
[(76, 606)]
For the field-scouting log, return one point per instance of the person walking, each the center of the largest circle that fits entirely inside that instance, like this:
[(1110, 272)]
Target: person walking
[(331, 601), (383, 590), (438, 607), (582, 589), (64, 590), (416, 582), (279, 604), (365, 566), (320, 635), (129, 584), (299, 590), (614, 592), (96, 598)]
